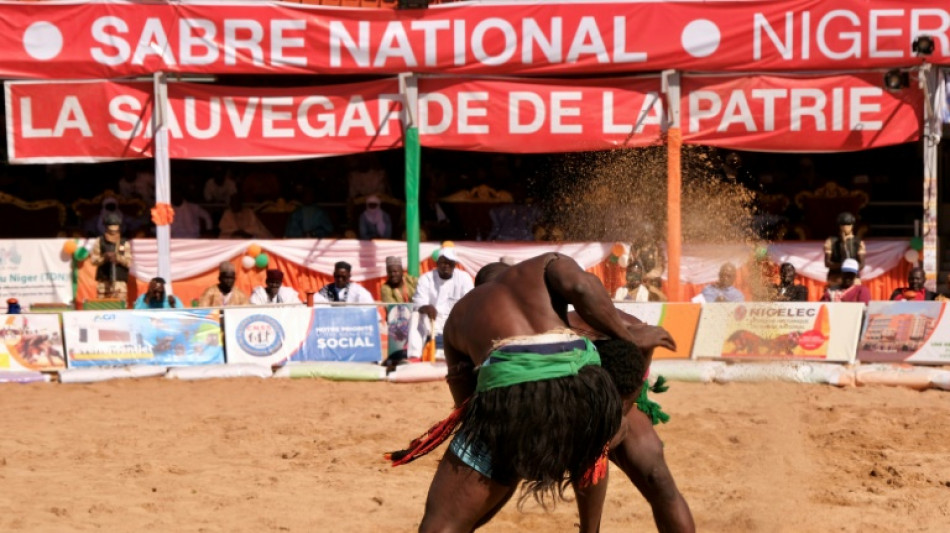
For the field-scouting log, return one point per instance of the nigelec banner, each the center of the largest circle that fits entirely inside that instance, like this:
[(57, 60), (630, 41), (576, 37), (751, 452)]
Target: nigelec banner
[(277, 335), (154, 337), (788, 330)]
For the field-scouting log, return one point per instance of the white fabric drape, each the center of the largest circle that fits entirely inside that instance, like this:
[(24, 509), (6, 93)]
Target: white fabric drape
[(700, 263)]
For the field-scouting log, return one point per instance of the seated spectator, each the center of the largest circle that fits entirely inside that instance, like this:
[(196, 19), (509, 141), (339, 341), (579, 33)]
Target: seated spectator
[(366, 177), (155, 297), (399, 286), (847, 290), (435, 296), (787, 290), (189, 219), (220, 188), (137, 184), (513, 222), (432, 218), (341, 290), (273, 291), (223, 294), (724, 289), (240, 222), (915, 291), (308, 220), (637, 291), (374, 222)]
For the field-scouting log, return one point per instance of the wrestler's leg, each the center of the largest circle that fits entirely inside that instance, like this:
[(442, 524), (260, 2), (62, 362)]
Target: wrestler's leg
[(590, 505), (460, 499), (640, 456)]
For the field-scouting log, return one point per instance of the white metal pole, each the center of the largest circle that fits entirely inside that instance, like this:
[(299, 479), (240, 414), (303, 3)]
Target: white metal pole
[(162, 177)]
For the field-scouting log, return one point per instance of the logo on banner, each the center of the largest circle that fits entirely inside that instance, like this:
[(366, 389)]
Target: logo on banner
[(260, 335), (10, 257)]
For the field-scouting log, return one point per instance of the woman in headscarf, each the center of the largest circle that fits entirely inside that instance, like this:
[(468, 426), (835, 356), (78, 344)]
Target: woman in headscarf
[(374, 222)]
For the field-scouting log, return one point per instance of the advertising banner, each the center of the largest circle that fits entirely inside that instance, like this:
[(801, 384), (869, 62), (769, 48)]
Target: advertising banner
[(118, 39), (274, 336), (539, 116), (911, 332), (35, 271), (792, 330), (680, 319), (104, 120), (154, 337), (31, 342), (826, 113)]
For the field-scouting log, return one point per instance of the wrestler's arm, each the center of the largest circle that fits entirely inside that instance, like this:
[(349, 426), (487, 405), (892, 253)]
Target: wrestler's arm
[(588, 296), (645, 336), (461, 376)]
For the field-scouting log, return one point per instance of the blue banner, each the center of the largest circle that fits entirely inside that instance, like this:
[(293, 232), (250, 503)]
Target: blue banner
[(152, 337), (341, 334)]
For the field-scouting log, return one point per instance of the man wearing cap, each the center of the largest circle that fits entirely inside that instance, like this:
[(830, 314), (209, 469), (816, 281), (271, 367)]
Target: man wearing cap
[(342, 290), (847, 290), (399, 286), (112, 257), (223, 294), (156, 298), (435, 296), (844, 245), (273, 291)]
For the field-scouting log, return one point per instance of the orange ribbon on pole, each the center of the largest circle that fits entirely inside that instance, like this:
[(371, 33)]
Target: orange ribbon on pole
[(163, 214)]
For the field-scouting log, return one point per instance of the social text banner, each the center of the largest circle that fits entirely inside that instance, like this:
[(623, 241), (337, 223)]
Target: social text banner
[(912, 332), (539, 116), (273, 336), (798, 331), (31, 342), (154, 337), (102, 120), (808, 113), (117, 39)]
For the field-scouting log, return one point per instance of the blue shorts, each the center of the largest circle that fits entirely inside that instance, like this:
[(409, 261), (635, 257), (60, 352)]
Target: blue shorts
[(473, 453)]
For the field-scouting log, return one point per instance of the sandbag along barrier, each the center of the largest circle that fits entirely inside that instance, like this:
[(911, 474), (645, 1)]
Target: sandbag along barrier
[(840, 344)]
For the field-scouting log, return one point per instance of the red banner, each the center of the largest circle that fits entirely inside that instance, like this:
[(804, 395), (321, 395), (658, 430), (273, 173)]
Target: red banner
[(539, 116), (108, 40), (801, 114), (99, 121)]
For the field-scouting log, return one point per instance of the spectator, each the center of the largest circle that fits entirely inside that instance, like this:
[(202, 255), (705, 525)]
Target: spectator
[(399, 286), (189, 218), (515, 221), (241, 222), (845, 245), (374, 222), (220, 188), (435, 295), (155, 297), (223, 294), (637, 291), (646, 250), (847, 290), (273, 291), (137, 184), (787, 290), (915, 291), (366, 177), (432, 217), (13, 306), (724, 289), (342, 290), (112, 257), (308, 220)]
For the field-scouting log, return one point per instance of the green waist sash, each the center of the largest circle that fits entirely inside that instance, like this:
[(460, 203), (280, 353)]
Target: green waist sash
[(506, 367)]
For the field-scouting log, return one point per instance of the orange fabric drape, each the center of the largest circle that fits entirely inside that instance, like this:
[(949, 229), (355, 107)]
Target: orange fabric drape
[(305, 280)]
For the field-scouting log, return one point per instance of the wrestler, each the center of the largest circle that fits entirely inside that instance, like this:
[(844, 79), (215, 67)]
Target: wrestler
[(535, 402)]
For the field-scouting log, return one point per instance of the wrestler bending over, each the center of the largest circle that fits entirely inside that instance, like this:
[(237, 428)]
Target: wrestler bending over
[(538, 403)]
